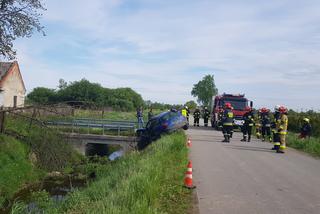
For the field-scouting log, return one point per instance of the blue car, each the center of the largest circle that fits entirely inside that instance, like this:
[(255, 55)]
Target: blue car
[(164, 122)]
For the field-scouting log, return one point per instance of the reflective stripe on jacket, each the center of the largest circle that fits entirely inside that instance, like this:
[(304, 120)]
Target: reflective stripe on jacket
[(227, 118)]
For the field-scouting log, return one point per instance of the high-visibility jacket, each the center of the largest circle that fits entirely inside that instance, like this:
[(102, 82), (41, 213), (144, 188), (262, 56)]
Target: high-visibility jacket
[(283, 126), (184, 112), (227, 118)]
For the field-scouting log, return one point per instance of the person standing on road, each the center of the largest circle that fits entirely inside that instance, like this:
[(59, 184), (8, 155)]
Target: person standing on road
[(248, 118), (196, 116), (140, 118), (305, 131), (150, 114), (206, 115), (188, 113), (184, 112), (274, 128), (283, 127), (227, 122), (266, 124), (258, 124)]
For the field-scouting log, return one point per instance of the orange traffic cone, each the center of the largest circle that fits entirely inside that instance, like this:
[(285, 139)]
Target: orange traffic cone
[(189, 144), (188, 177)]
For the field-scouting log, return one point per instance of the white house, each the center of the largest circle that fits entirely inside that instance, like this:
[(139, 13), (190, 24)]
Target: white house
[(12, 89)]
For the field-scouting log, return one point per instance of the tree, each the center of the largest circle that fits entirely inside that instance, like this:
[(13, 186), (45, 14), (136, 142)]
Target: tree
[(62, 84), (204, 90), (191, 104), (42, 95), (18, 18), (82, 90)]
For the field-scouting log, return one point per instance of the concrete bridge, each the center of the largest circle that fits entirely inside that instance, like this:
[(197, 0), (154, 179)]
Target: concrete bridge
[(95, 133), (81, 140)]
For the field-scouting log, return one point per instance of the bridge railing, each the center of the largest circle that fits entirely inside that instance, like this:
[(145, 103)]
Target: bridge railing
[(92, 125), (105, 121)]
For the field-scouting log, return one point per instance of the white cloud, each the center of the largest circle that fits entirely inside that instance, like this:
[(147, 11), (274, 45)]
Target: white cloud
[(254, 47)]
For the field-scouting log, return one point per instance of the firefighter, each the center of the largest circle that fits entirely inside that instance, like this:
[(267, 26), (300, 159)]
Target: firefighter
[(274, 128), (227, 122), (258, 124), (266, 124), (283, 126), (305, 130), (220, 115), (184, 112), (188, 112), (196, 116), (248, 118), (206, 115)]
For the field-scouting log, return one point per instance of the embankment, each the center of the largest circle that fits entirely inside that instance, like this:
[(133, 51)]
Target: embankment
[(150, 181)]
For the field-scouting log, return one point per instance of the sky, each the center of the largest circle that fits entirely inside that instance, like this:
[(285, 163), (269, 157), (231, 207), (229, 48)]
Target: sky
[(268, 50)]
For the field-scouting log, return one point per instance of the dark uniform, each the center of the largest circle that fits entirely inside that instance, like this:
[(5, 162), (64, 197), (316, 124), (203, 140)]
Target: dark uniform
[(247, 126), (227, 123), (305, 130), (206, 115), (196, 116), (266, 126)]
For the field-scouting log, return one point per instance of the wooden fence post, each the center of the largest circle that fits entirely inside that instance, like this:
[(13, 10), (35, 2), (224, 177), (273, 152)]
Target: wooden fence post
[(2, 119)]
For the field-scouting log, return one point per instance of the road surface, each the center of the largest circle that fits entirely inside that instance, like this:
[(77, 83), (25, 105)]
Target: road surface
[(241, 177)]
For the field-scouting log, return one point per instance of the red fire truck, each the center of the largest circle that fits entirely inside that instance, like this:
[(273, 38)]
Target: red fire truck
[(238, 102)]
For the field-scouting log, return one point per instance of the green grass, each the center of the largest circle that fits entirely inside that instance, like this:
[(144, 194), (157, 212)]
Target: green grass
[(142, 182), (15, 167), (311, 146), (112, 115)]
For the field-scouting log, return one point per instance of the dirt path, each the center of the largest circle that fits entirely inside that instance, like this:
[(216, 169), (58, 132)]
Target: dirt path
[(240, 177)]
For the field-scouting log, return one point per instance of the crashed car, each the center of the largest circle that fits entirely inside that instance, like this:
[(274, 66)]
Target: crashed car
[(165, 122)]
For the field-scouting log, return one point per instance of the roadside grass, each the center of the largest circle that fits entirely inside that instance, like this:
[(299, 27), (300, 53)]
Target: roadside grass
[(311, 146), (150, 181), (49, 148), (15, 167), (112, 115)]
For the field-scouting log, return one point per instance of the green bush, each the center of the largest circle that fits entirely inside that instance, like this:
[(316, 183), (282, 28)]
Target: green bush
[(296, 120)]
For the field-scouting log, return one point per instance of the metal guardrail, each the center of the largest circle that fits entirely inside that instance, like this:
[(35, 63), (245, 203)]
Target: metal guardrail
[(112, 125), (104, 121)]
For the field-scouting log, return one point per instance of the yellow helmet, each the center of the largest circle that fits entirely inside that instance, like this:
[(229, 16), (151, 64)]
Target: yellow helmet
[(306, 119)]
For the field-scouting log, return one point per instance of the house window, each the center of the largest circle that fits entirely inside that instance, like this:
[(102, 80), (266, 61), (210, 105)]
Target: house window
[(15, 98)]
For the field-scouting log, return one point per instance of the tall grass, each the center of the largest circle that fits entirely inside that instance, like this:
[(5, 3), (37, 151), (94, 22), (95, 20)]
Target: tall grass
[(50, 149), (142, 182), (311, 146), (15, 167)]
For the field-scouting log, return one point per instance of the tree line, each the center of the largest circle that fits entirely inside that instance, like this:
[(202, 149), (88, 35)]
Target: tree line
[(124, 99), (83, 91)]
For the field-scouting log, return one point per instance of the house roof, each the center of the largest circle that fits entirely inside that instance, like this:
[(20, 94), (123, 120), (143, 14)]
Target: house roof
[(6, 68)]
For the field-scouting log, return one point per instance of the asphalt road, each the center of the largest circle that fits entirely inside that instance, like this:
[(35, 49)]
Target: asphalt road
[(241, 177)]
